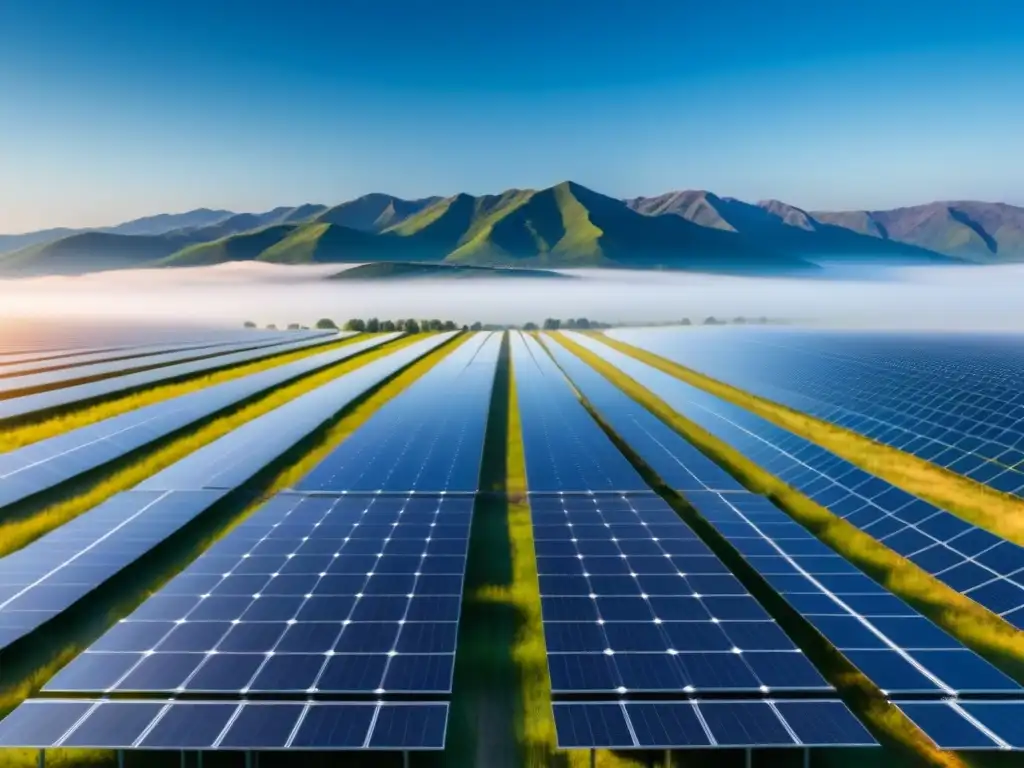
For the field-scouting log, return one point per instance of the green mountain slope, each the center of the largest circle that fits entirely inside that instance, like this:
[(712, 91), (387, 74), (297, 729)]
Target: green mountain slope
[(248, 246), (90, 252), (405, 270), (374, 212)]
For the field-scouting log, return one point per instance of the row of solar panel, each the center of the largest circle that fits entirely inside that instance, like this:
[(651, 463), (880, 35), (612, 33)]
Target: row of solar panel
[(897, 648), (43, 579), (427, 440), (934, 399), (970, 560), (42, 465), (61, 397)]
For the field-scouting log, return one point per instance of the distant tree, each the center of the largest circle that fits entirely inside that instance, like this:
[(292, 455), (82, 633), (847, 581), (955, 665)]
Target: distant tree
[(449, 325), (570, 323), (477, 326), (762, 320), (552, 324), (373, 325), (355, 324), (582, 322), (710, 321), (411, 326), (388, 326), (400, 325), (739, 320), (424, 325), (530, 327), (294, 326), (271, 327), (436, 325), (248, 324), (325, 323), (685, 321)]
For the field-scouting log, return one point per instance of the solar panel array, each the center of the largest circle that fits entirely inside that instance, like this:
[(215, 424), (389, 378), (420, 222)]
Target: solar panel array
[(43, 579), (60, 376), (970, 560), (634, 603), (956, 401), (42, 465), (419, 442), (60, 397), (899, 650)]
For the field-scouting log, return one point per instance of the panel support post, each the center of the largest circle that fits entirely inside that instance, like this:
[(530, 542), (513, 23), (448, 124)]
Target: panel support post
[(199, 758), (248, 759), (807, 758), (668, 758), (182, 761), (405, 760), (120, 758), (593, 758), (42, 758), (748, 758)]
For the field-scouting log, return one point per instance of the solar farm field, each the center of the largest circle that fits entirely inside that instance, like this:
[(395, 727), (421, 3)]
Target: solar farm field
[(509, 549)]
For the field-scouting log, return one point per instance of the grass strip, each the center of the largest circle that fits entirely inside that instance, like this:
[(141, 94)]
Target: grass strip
[(33, 429), (80, 496), (113, 601), (1000, 513), (978, 628), (886, 721)]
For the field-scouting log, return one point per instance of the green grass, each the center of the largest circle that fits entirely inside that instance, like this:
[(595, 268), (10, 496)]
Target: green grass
[(998, 512), (20, 532), (887, 722), (980, 629), (28, 431)]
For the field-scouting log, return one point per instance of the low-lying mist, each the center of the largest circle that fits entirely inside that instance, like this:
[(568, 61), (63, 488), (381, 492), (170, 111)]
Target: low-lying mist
[(990, 298)]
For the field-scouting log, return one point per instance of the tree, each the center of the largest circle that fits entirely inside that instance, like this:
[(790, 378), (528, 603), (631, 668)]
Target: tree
[(411, 326), (740, 320), (570, 323), (355, 324), (293, 327), (552, 324), (711, 321), (325, 323), (686, 321), (582, 323), (530, 327), (248, 324), (271, 327), (373, 325), (388, 326), (436, 325), (400, 325), (449, 325), (477, 326), (465, 328)]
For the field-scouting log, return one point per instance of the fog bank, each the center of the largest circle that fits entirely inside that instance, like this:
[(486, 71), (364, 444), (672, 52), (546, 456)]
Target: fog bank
[(969, 298)]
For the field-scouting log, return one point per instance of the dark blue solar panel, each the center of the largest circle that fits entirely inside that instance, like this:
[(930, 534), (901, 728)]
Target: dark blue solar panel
[(565, 449), (14, 407), (45, 464), (633, 600), (427, 440), (980, 565), (309, 594), (222, 725), (951, 399), (707, 724)]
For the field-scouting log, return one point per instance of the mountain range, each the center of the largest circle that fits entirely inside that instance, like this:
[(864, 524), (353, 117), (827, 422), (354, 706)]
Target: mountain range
[(563, 226)]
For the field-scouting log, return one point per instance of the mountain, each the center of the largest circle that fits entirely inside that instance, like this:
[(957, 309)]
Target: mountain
[(374, 212), (163, 223), (10, 243), (778, 225), (406, 270), (984, 232), (90, 252)]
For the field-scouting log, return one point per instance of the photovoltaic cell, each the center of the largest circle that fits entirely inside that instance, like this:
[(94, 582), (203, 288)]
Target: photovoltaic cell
[(953, 399), (47, 463), (311, 594), (49, 575), (429, 439), (968, 559), (14, 407), (226, 725)]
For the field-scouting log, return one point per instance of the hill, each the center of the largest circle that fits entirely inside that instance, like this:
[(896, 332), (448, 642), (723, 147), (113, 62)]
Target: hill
[(406, 270), (90, 252), (374, 212)]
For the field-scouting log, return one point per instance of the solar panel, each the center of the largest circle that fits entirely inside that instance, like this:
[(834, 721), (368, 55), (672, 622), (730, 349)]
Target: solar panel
[(47, 463), (978, 725), (697, 724), (954, 400), (566, 450), (310, 594), (41, 580), (226, 725), (968, 559), (60, 376), (633, 601), (15, 407), (428, 439)]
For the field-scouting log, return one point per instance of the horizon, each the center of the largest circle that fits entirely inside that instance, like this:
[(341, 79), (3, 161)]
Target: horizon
[(127, 111)]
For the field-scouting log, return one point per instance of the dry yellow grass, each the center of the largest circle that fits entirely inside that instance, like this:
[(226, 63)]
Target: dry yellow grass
[(19, 435), (18, 533), (998, 512)]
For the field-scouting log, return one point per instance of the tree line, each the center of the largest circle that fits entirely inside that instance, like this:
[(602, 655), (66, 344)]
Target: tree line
[(375, 325)]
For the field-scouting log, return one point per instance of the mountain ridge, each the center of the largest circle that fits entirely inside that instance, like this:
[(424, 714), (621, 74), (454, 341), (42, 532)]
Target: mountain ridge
[(565, 225)]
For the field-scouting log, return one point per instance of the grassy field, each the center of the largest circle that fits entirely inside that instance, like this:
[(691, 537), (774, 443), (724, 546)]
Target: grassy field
[(165, 567), (31, 430), (980, 629), (19, 532), (998, 512)]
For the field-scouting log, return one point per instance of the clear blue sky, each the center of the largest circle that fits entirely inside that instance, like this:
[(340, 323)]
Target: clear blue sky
[(113, 109)]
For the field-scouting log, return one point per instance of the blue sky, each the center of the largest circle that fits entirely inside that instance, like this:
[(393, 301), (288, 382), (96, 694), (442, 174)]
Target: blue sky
[(111, 109)]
